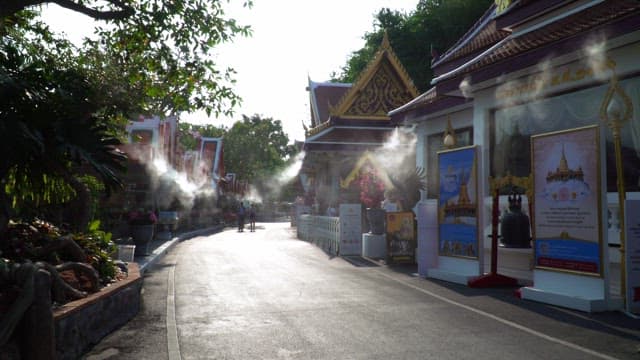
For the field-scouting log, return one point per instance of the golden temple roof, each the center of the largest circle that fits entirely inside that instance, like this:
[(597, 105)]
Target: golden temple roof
[(383, 86)]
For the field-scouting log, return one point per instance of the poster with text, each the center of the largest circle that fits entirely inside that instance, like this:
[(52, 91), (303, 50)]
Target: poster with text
[(632, 254), (350, 229), (458, 203), (567, 224), (401, 237)]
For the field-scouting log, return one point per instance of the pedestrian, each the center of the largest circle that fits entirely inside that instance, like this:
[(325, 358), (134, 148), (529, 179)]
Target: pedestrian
[(332, 211), (241, 214), (252, 218)]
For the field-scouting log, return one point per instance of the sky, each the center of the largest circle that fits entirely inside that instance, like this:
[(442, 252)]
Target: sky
[(292, 41)]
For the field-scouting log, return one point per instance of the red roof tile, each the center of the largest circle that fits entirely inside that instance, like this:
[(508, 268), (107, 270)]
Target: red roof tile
[(322, 96)]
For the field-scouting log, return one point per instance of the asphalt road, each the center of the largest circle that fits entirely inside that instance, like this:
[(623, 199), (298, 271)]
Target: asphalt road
[(267, 295)]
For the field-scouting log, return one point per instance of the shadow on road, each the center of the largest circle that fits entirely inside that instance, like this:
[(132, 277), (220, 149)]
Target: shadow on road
[(359, 261), (610, 322)]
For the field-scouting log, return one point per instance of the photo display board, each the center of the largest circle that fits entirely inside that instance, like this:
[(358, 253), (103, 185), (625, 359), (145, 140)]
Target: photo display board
[(401, 237), (458, 202), (567, 184)]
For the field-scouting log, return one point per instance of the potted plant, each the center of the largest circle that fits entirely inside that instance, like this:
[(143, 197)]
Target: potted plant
[(142, 226), (371, 195)]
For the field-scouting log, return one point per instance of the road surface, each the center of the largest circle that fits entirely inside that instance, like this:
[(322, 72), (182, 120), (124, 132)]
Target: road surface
[(267, 295)]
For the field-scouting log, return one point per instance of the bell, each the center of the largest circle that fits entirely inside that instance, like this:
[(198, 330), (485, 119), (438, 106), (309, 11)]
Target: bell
[(514, 225)]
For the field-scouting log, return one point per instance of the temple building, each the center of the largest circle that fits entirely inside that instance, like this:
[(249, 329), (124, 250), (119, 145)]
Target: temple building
[(527, 69), (348, 123), (563, 172)]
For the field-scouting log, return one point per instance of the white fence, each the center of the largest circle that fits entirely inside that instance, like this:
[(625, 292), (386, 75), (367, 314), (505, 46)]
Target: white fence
[(324, 231)]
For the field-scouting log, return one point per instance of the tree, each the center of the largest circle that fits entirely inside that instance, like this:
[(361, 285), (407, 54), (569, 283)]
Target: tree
[(189, 133), (50, 125), (65, 104), (162, 49), (256, 149), (434, 25), (156, 51)]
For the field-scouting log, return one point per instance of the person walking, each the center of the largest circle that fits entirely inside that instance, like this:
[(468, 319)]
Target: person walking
[(241, 215), (252, 218)]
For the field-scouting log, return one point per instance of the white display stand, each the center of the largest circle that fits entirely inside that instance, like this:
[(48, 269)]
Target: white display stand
[(585, 293), (374, 245), (427, 251), (350, 229), (455, 270)]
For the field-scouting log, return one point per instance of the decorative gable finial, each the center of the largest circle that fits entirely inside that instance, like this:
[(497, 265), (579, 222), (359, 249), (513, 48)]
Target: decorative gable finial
[(385, 41)]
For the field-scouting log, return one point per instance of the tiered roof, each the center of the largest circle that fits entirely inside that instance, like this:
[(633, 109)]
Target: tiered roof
[(356, 115), (535, 30), (520, 36)]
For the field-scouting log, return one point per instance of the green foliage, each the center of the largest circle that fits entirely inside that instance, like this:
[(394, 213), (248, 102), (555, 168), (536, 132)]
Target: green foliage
[(50, 119), (64, 108), (99, 247), (52, 190), (160, 55), (188, 133), (434, 24), (97, 188), (256, 148)]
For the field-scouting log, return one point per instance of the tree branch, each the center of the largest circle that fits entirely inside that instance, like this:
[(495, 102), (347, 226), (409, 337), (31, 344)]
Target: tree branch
[(10, 7), (124, 12)]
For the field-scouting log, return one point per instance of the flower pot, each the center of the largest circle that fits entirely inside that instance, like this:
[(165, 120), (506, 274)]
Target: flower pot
[(375, 217), (126, 252), (142, 236)]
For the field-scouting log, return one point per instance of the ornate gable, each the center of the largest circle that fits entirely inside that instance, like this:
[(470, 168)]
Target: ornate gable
[(383, 86)]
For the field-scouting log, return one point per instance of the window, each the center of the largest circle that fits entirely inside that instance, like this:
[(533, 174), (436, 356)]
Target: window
[(512, 127)]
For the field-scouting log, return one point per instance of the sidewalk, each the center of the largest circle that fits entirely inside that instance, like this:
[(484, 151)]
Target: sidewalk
[(160, 247)]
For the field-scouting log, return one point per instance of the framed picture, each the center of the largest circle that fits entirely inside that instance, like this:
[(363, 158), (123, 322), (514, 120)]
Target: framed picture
[(401, 237), (464, 137), (458, 202), (567, 220)]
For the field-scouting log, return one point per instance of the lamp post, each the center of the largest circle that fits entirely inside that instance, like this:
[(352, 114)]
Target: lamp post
[(616, 109)]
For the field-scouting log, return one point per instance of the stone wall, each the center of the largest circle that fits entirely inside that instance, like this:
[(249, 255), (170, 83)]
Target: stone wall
[(83, 323)]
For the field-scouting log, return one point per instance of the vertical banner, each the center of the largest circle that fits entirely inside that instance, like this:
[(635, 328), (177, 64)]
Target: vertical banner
[(350, 229), (401, 237), (632, 254), (458, 202), (567, 217)]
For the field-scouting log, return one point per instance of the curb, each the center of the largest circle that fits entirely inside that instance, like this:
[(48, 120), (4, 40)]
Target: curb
[(145, 262)]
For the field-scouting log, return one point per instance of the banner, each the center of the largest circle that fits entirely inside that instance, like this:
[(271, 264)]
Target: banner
[(567, 216), (458, 203), (401, 237), (350, 229)]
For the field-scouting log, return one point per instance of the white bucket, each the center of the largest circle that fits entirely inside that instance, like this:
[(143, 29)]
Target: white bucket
[(125, 252)]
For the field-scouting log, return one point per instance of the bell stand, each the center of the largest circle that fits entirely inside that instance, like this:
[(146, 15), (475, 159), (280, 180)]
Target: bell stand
[(493, 279)]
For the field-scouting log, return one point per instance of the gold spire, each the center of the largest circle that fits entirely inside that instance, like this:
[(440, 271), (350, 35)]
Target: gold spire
[(385, 41), (564, 164)]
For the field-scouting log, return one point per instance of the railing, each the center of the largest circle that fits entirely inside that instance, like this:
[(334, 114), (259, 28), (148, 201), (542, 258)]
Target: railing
[(324, 231)]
